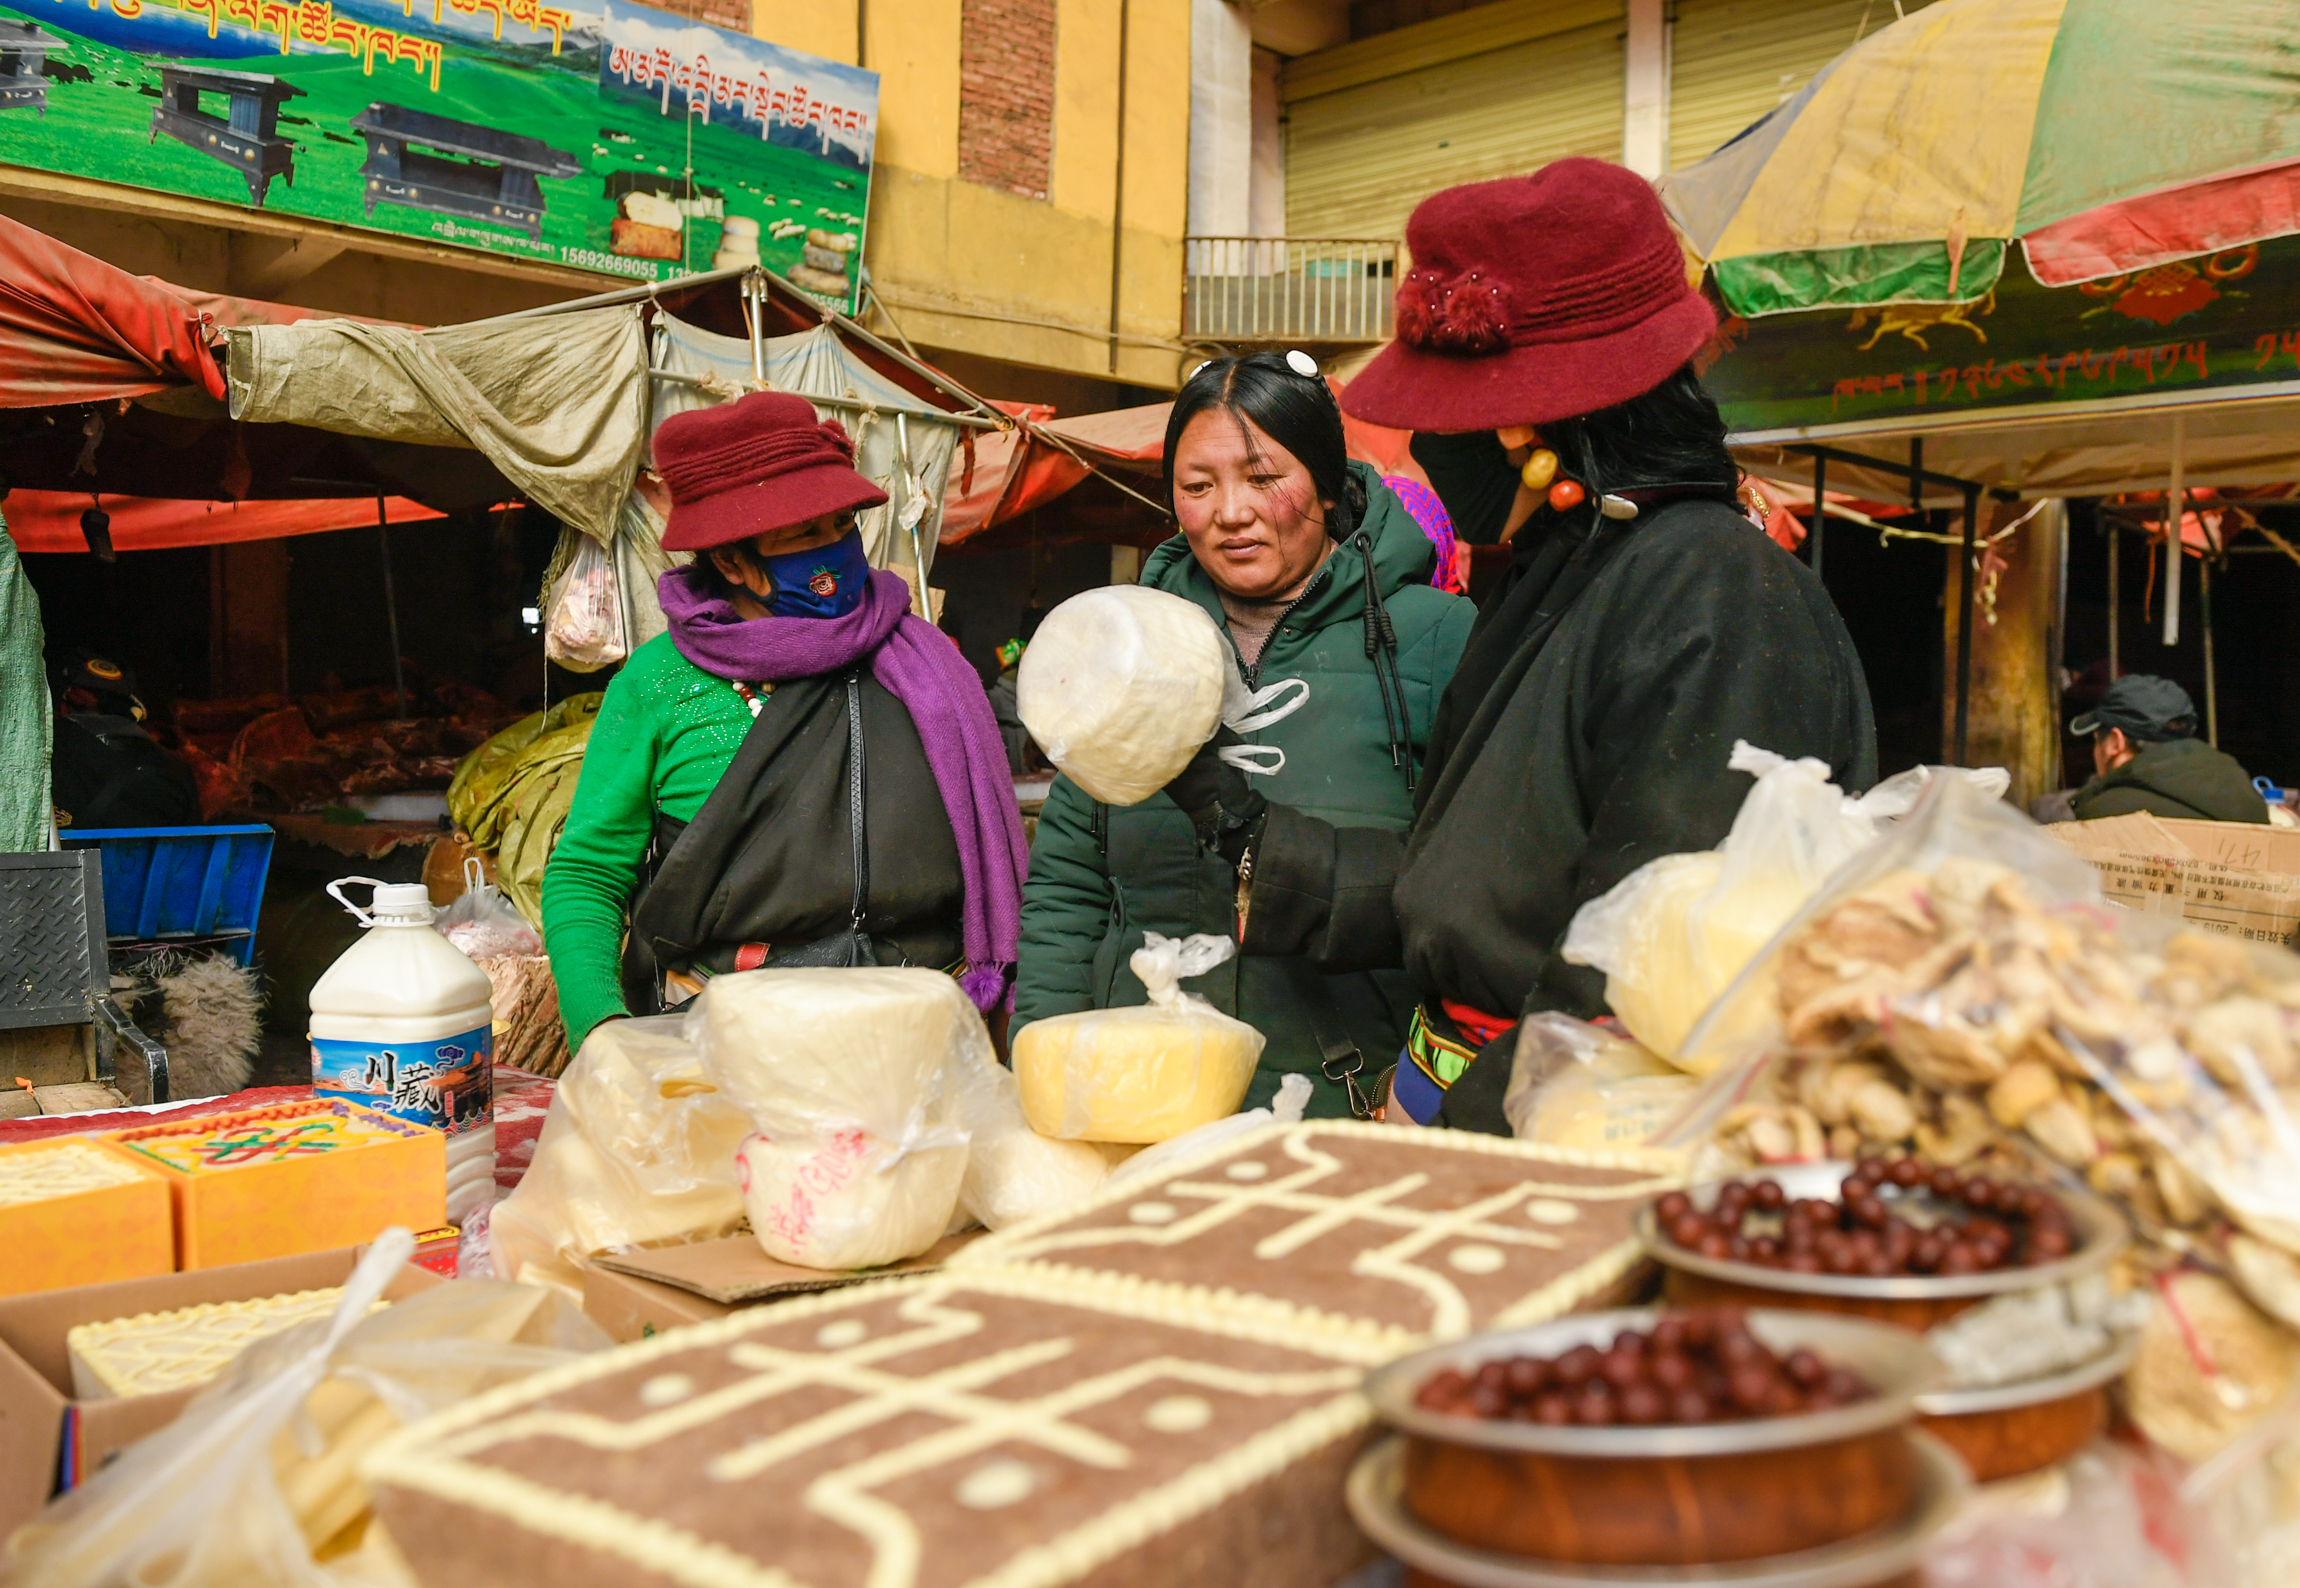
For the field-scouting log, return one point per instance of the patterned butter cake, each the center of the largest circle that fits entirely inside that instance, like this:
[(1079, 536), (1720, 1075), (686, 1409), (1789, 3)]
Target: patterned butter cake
[(1183, 1413), (66, 1169), (282, 1134), (155, 1351), (1405, 1234)]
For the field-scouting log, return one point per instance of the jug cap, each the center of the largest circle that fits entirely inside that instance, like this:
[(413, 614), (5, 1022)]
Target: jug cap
[(393, 904)]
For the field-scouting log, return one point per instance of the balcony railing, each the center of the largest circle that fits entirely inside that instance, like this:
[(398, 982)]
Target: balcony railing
[(1290, 289)]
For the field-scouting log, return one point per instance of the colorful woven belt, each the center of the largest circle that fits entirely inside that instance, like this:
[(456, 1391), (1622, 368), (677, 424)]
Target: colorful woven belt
[(1432, 1062)]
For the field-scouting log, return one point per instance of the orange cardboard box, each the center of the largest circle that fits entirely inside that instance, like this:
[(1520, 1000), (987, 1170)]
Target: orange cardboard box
[(296, 1177), (75, 1212)]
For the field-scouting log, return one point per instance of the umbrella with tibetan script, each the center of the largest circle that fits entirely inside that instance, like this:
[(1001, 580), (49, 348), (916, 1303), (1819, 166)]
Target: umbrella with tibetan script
[(2106, 137)]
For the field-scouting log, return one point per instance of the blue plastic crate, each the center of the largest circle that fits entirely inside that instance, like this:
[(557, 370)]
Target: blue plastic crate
[(192, 883)]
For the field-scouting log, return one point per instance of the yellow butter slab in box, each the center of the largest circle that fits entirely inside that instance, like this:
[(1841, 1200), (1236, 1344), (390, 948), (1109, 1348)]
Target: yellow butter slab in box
[(292, 1178), (186, 1346), (75, 1212)]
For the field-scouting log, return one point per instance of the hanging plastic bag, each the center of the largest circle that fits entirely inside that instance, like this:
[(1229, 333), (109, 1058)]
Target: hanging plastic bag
[(1012, 1172), (257, 1483), (1576, 1085), (639, 1147), (1121, 686), (584, 629), (481, 921), (1673, 934), (1144, 1073), (850, 1079)]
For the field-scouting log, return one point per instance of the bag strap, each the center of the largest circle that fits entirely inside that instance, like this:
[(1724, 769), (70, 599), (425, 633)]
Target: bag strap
[(855, 818)]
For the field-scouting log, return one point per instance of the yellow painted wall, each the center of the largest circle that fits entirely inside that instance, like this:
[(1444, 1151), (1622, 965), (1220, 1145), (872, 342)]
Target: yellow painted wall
[(985, 271)]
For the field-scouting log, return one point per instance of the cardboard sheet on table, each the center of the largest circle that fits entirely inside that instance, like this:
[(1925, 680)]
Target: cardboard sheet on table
[(737, 1269), (2237, 878)]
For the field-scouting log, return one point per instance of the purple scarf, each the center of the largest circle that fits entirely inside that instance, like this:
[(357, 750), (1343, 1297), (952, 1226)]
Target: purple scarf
[(918, 665)]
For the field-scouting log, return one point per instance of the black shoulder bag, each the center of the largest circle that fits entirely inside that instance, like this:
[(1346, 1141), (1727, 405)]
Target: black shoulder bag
[(853, 946)]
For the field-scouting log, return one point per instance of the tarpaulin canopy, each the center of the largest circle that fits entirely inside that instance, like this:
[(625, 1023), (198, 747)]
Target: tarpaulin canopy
[(1008, 473), (50, 520), (74, 329), (557, 404)]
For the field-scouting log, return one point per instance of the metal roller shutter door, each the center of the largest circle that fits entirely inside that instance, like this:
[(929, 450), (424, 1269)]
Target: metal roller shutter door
[(1359, 159), (1732, 61)]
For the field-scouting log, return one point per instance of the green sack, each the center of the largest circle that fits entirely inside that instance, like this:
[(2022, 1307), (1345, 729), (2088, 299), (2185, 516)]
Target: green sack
[(512, 794)]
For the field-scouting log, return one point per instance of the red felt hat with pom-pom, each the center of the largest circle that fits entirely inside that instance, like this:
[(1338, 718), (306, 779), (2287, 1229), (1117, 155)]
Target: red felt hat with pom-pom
[(1532, 299), (759, 463)]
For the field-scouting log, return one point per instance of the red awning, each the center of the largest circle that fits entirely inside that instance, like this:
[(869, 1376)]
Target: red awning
[(50, 520), (74, 329)]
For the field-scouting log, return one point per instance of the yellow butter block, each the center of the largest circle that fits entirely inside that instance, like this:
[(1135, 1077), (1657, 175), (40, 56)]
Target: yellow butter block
[(1133, 1075), (183, 1347), (75, 1212), (298, 1177)]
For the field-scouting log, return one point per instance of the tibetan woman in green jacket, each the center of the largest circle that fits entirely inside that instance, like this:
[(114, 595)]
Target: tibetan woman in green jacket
[(1321, 581)]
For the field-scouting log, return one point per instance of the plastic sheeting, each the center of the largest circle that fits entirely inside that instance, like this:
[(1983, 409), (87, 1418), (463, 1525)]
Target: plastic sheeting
[(906, 456), (25, 718), (74, 329), (556, 402)]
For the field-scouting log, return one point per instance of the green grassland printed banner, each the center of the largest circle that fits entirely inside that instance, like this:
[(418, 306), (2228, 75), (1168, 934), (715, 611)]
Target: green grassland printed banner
[(594, 134)]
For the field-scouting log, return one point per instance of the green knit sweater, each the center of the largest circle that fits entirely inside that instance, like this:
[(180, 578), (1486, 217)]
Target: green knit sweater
[(665, 735)]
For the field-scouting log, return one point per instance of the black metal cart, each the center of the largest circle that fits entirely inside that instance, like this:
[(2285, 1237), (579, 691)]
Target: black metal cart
[(247, 139), (473, 171), (23, 55)]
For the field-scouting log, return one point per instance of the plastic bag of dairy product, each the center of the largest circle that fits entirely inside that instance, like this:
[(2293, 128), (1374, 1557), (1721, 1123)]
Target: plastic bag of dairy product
[(1120, 687), (584, 631), (1673, 934), (639, 1146), (1012, 1172), (1145, 1073), (1573, 1084), (850, 1079)]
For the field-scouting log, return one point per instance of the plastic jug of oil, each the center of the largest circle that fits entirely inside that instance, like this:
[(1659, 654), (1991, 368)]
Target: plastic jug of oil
[(403, 1022)]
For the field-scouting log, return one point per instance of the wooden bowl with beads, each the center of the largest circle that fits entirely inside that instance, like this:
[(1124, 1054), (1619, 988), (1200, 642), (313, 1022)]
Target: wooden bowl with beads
[(1663, 1494), (1910, 1300)]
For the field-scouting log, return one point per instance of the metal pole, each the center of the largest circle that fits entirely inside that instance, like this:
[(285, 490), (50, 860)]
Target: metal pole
[(2211, 678), (1820, 508), (1118, 196), (390, 604), (1917, 473), (2115, 555), (2173, 511), (1965, 583)]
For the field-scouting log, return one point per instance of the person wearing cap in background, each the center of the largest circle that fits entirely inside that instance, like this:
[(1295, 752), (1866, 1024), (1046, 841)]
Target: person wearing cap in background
[(1643, 626), (717, 789), (1022, 755), (106, 770), (2146, 757)]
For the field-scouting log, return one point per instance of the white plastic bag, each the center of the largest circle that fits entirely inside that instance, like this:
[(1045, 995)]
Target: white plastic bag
[(584, 629), (482, 922), (1145, 1073), (1012, 1172), (1120, 687), (1294, 1092), (639, 1146), (256, 1485), (850, 1081), (1572, 1084), (1673, 934)]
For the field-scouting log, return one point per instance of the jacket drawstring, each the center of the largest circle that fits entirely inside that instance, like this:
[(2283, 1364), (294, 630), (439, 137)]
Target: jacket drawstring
[(1382, 653)]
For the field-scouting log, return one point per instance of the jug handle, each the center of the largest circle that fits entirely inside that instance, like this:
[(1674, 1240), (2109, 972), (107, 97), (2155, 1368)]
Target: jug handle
[(334, 891)]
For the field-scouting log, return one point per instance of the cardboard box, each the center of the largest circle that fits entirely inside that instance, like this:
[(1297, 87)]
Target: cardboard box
[(306, 1176), (82, 1237), (649, 1290), (51, 1442), (2237, 878)]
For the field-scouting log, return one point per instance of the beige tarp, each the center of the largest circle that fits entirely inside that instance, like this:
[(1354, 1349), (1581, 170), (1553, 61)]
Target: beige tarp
[(558, 402)]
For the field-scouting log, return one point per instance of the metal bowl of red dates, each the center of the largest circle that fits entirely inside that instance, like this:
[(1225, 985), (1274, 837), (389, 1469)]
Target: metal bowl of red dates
[(1886, 1238), (1644, 1438)]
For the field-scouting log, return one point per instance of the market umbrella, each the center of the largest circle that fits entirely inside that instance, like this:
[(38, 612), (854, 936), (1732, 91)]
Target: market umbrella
[(2106, 136)]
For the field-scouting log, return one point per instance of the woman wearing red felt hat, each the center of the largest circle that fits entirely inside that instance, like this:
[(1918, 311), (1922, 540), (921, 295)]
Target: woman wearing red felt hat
[(732, 754), (1544, 361)]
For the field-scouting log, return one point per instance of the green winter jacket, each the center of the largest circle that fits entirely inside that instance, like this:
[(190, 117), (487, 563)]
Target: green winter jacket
[(1102, 876), (2174, 777)]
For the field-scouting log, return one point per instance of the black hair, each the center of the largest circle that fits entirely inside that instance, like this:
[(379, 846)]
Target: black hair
[(1296, 411), (716, 585), (1672, 435)]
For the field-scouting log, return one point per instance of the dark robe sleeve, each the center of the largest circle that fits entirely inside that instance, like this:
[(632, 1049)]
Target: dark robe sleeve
[(1325, 892)]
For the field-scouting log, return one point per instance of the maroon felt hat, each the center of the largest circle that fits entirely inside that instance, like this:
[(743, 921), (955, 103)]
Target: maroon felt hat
[(760, 463), (1531, 299)]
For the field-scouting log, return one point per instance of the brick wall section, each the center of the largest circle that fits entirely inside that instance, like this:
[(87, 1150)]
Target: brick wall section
[(733, 15), (1006, 94)]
